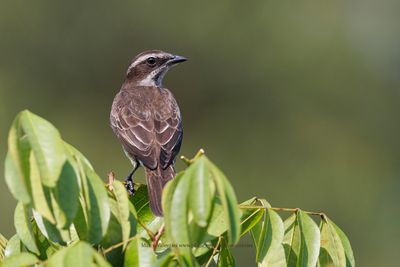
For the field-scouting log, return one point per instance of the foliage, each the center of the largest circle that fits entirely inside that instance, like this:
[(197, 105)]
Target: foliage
[(66, 215)]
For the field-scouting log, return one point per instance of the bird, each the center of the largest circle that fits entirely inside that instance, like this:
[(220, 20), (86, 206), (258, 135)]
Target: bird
[(146, 120)]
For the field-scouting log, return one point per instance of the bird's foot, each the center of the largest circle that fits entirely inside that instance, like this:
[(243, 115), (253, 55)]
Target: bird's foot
[(129, 185)]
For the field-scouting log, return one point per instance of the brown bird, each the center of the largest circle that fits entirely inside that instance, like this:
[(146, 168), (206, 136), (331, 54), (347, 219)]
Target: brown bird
[(147, 122)]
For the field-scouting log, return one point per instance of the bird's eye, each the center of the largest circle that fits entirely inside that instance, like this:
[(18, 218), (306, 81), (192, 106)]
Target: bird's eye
[(151, 61)]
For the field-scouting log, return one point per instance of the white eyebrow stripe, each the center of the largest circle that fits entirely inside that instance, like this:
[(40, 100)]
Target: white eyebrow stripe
[(140, 59)]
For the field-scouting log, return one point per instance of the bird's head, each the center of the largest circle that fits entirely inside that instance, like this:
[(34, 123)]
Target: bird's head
[(148, 68)]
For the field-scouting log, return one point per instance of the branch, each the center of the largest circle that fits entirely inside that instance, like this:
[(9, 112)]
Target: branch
[(214, 251), (281, 209), (190, 161)]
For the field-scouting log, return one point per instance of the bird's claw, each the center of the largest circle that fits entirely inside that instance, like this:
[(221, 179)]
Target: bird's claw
[(130, 186)]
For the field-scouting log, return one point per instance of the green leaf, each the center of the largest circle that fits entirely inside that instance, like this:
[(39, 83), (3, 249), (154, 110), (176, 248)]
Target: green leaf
[(99, 260), (225, 258), (47, 145), (250, 217), (350, 262), (201, 193), (77, 155), (176, 217), (291, 240), (268, 235), (40, 196), (217, 224), (310, 240), (13, 247), (57, 259), (79, 254), (121, 210), (229, 202), (17, 164), (140, 201), (66, 196), (50, 231), (94, 213), (17, 260), (46, 247), (139, 253), (331, 251), (15, 182), (301, 241), (24, 228), (164, 261)]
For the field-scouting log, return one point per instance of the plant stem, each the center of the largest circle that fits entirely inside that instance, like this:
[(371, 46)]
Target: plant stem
[(281, 209), (158, 237), (118, 245), (148, 231), (214, 251), (190, 161)]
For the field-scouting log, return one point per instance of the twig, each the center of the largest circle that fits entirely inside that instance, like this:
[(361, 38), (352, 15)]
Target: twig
[(152, 237), (111, 178), (281, 209), (158, 237), (118, 245), (190, 161), (148, 231), (185, 160), (214, 251)]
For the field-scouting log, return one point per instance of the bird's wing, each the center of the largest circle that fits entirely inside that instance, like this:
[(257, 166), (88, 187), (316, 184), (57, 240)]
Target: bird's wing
[(169, 132), (133, 123)]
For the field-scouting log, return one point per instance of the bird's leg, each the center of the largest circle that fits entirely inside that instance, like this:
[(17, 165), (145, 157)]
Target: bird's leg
[(129, 181)]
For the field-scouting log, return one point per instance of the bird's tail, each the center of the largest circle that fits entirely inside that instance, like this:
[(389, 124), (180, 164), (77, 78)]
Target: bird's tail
[(156, 180)]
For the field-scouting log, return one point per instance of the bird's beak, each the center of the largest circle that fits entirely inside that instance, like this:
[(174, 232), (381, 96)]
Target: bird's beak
[(175, 60)]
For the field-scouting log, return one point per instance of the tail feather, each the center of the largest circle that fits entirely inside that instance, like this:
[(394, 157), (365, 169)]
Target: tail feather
[(156, 180)]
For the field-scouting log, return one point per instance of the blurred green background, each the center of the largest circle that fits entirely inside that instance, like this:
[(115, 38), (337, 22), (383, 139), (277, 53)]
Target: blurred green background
[(296, 101)]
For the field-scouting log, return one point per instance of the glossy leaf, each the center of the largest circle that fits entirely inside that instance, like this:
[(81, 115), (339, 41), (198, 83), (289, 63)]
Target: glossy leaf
[(331, 251), (350, 261), (49, 230), (249, 217), (201, 191), (176, 217), (79, 254), (139, 253), (14, 246), (17, 163), (141, 203), (164, 261), (93, 216), (66, 196), (46, 247), (17, 260), (229, 202), (225, 258), (268, 235), (301, 240), (57, 259), (46, 144), (121, 209), (40, 197), (15, 180), (217, 224), (24, 228)]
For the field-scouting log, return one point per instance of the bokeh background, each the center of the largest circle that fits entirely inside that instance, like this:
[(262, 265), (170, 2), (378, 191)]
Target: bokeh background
[(296, 101)]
